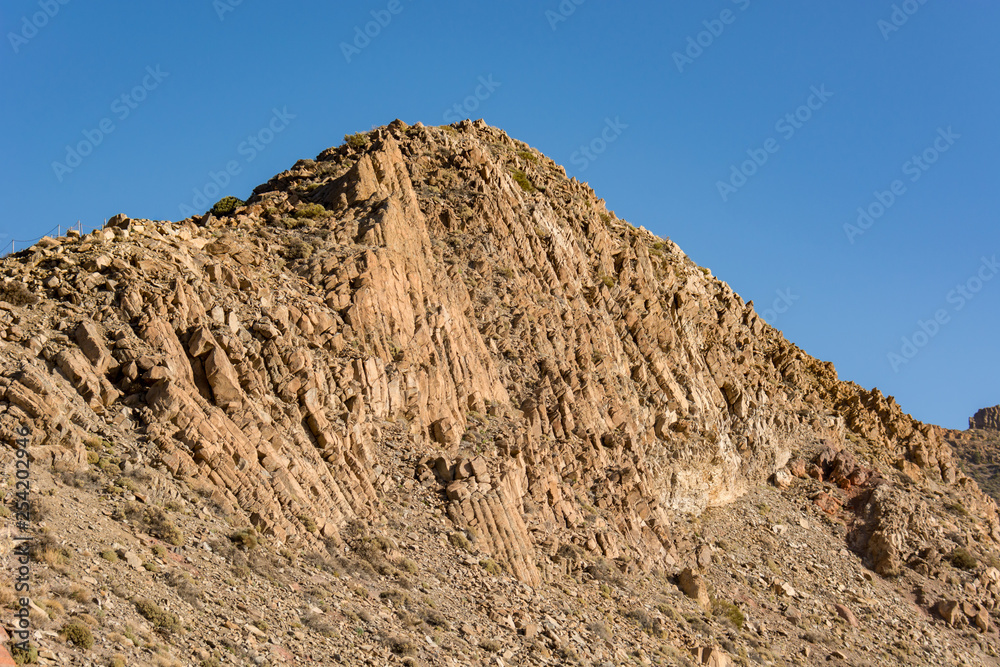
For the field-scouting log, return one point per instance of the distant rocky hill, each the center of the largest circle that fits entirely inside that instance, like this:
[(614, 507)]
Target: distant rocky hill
[(978, 449), (426, 400), (987, 419)]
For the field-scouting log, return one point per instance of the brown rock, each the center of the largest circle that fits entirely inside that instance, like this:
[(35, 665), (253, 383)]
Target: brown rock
[(132, 559), (987, 418), (846, 614), (704, 556), (458, 490), (695, 588), (827, 502), (782, 479), (90, 339), (223, 379), (949, 610), (712, 657)]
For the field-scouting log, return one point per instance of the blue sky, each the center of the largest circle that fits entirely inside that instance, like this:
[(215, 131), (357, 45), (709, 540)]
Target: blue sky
[(749, 133)]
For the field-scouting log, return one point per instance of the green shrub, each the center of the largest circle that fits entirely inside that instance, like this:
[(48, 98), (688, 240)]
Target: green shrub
[(159, 525), (309, 523), (459, 541), (310, 211), (78, 634), (226, 206), (640, 616), (357, 141), (528, 155), (407, 565), (297, 249), (522, 179), (25, 657), (109, 555), (161, 619), (491, 566), (729, 611)]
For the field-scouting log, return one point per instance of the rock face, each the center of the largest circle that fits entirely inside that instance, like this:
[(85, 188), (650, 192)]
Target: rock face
[(434, 307), (978, 449), (444, 308), (987, 418)]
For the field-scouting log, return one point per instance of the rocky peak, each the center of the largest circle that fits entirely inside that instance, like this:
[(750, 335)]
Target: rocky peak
[(439, 312), (987, 418)]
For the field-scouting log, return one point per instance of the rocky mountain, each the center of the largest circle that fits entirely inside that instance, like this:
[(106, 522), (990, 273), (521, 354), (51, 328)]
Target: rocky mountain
[(987, 418), (426, 400), (978, 449)]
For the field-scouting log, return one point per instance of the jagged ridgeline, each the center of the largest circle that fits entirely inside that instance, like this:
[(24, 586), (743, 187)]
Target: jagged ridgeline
[(443, 307)]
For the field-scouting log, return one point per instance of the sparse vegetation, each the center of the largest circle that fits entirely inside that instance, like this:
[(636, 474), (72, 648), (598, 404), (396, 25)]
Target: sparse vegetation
[(963, 560), (245, 538), (400, 645), (491, 566), (357, 141), (310, 211), (459, 540), (297, 249), (522, 179), (164, 621), (25, 657), (730, 612), (226, 206), (16, 294), (156, 522), (78, 634), (600, 630)]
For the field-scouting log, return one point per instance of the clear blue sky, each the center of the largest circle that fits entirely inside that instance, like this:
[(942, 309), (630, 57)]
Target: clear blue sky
[(200, 78)]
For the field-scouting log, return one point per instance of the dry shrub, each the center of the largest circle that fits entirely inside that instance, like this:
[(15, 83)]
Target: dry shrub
[(17, 294)]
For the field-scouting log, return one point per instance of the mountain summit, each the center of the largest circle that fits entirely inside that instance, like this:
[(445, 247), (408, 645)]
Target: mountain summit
[(427, 399)]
